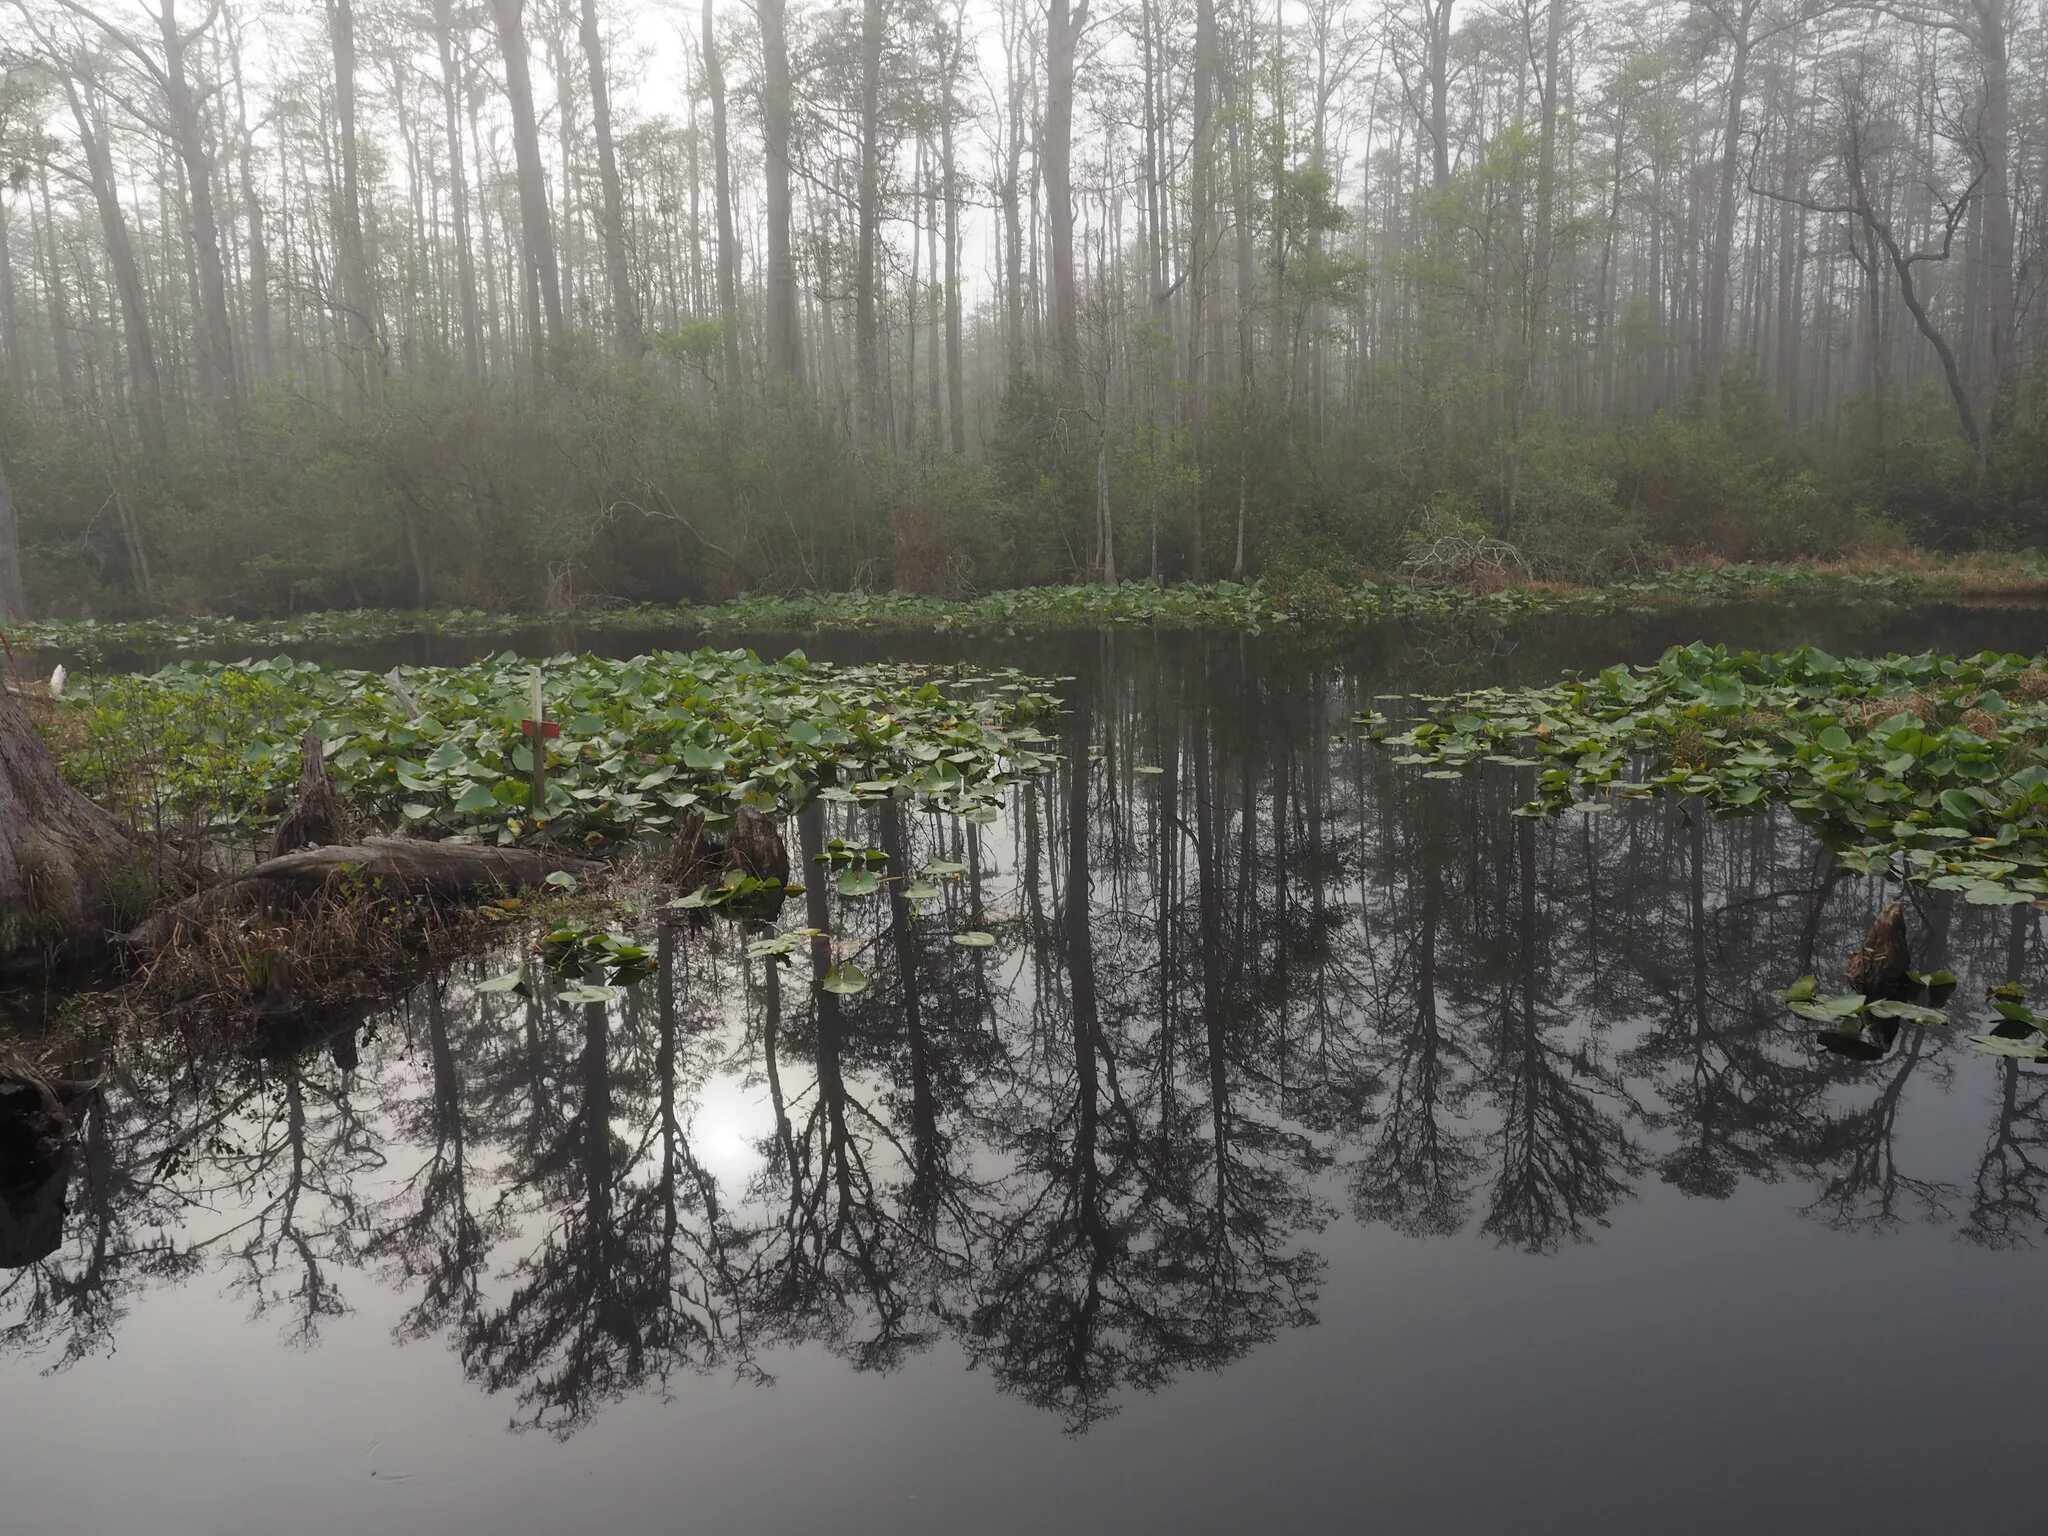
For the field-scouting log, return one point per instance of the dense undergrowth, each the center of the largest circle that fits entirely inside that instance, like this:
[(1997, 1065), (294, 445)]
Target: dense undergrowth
[(204, 750), (1308, 602), (1926, 768), (436, 491)]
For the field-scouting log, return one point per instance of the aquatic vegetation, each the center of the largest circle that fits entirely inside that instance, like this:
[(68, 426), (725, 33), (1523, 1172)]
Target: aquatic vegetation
[(1862, 1028), (1927, 768), (642, 742), (1311, 603)]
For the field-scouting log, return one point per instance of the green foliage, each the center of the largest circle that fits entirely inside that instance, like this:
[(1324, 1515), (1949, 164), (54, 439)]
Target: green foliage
[(1929, 768), (1341, 597), (642, 742)]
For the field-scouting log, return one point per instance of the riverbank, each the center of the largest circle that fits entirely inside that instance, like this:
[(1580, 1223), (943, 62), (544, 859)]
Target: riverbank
[(1306, 604)]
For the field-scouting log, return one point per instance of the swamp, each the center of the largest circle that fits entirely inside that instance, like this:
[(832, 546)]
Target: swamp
[(1023, 767), (1231, 1084)]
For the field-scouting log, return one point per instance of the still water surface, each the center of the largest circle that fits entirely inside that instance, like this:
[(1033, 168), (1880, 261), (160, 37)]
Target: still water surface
[(1319, 1147)]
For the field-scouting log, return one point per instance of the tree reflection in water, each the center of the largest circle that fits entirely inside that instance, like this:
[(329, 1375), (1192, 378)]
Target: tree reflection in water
[(1250, 977)]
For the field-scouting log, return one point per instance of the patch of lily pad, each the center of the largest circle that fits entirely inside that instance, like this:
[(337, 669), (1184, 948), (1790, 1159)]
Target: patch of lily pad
[(643, 743), (1927, 768), (1860, 1027), (1312, 602)]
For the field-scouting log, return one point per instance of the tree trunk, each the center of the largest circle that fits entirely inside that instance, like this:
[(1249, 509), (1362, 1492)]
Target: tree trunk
[(625, 310), (1063, 34), (542, 274), (458, 189), (69, 873), (721, 175), (1714, 340), (13, 597), (189, 135), (956, 398), (785, 348), (142, 372), (866, 319), (13, 363), (359, 320)]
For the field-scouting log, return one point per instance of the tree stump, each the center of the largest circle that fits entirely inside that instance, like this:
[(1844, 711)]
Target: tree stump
[(314, 818), (755, 847), (1879, 968), (69, 872)]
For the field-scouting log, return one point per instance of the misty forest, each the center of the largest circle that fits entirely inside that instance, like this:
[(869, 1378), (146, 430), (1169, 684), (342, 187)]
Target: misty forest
[(1012, 766), (527, 305)]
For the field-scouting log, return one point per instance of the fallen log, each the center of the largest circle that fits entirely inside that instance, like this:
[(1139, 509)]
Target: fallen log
[(404, 867)]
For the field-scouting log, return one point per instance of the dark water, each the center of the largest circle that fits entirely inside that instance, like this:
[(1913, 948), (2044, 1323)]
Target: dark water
[(1318, 1147)]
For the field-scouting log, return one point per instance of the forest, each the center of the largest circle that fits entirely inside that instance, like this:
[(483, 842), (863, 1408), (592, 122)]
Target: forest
[(537, 304)]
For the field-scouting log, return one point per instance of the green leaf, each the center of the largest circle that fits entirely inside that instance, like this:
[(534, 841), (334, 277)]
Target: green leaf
[(1801, 991), (845, 978), (974, 938), (1998, 1045), (858, 882), (504, 983), (1825, 1010), (1910, 1013), (476, 798)]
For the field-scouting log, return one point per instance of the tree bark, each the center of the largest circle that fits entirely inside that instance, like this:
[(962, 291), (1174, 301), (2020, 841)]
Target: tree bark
[(359, 319), (625, 308), (543, 275), (407, 867), (721, 176), (13, 596), (1063, 35), (69, 873), (785, 349), (866, 317), (142, 371)]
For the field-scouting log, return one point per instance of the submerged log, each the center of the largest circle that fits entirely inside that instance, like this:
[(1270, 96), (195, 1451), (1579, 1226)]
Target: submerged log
[(401, 866), (69, 872), (314, 816), (1879, 968)]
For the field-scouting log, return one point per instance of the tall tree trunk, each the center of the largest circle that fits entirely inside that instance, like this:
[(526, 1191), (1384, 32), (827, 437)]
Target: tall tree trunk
[(543, 277), (458, 188), (866, 318), (13, 362), (785, 348), (721, 172), (189, 137), (1995, 254), (1017, 69), (60, 304), (1714, 337), (1203, 238), (261, 360), (359, 326), (13, 595), (956, 385), (625, 308), (143, 380), (1063, 35)]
